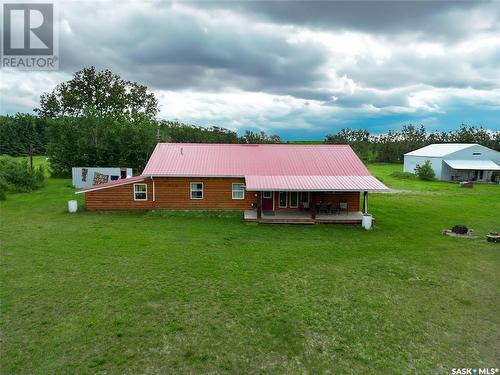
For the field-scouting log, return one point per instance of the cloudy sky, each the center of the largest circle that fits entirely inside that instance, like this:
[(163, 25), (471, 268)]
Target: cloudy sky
[(297, 69)]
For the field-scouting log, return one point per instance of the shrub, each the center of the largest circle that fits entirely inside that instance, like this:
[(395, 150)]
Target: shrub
[(4, 186), (403, 175), (17, 176), (425, 172)]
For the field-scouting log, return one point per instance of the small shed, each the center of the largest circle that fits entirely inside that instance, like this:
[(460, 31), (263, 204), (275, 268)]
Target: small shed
[(84, 177), (456, 161)]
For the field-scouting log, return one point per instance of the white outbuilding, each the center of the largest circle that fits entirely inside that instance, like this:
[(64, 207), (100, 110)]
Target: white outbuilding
[(456, 161)]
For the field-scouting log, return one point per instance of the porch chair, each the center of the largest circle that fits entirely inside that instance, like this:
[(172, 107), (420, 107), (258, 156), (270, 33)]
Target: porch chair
[(343, 207), (335, 209), (329, 208), (323, 208)]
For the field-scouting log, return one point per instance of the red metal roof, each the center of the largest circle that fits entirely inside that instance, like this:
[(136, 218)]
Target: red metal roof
[(188, 159), (313, 183), (123, 181), (279, 166)]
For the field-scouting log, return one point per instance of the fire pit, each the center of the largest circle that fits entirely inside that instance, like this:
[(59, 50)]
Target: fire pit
[(459, 231)]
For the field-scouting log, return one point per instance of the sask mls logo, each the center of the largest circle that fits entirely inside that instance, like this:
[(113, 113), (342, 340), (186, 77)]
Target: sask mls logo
[(29, 41)]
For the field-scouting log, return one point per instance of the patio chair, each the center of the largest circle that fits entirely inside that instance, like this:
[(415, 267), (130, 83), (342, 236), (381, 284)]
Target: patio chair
[(335, 209), (343, 207), (323, 208), (329, 207)]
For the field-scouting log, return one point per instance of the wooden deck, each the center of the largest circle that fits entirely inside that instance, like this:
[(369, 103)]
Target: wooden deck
[(302, 217), (351, 218)]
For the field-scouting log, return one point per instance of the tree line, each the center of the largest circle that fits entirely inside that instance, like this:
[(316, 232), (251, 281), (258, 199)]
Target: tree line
[(103, 141), (391, 146), (92, 140)]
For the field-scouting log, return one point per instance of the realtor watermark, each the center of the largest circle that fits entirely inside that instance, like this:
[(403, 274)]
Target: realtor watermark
[(30, 40), (474, 371)]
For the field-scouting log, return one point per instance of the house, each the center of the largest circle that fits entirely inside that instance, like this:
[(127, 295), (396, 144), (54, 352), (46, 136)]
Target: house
[(456, 161), (274, 183), (83, 177)]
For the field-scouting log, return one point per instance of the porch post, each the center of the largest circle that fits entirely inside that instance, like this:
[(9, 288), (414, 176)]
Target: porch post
[(365, 202), (312, 205), (259, 204)]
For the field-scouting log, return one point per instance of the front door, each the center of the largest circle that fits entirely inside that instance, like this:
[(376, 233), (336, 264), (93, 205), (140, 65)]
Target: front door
[(267, 201)]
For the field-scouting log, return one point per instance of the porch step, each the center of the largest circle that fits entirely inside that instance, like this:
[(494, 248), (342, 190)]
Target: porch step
[(287, 221)]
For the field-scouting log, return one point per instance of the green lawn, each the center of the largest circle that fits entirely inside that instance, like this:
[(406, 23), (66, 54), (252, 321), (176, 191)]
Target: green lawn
[(173, 292)]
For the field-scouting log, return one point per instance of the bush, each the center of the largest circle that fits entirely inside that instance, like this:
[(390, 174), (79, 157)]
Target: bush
[(4, 187), (425, 172), (403, 175), (17, 176)]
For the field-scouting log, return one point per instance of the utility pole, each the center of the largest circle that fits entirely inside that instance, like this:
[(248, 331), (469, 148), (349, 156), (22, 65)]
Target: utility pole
[(31, 156), (31, 142)]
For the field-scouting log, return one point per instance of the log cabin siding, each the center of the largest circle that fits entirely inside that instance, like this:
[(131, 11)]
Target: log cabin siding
[(171, 193), (174, 193), (119, 198)]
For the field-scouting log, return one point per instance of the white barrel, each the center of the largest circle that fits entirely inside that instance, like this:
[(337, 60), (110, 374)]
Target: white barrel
[(72, 206), (367, 221)]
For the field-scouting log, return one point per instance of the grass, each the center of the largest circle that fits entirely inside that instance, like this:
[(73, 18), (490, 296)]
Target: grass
[(176, 292)]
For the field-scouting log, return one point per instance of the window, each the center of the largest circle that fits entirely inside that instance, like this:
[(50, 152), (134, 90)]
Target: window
[(476, 153), (294, 199), (140, 192), (238, 191), (283, 199), (196, 190), (304, 197), (267, 194)]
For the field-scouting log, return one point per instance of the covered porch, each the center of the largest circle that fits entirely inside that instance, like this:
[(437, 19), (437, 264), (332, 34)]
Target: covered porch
[(310, 199), (307, 207)]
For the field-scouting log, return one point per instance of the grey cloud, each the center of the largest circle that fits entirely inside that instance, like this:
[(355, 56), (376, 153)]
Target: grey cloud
[(405, 68), (177, 51), (436, 19), (172, 50)]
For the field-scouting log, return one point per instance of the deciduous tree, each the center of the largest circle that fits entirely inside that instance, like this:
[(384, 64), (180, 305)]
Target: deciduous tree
[(99, 93)]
